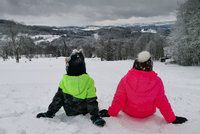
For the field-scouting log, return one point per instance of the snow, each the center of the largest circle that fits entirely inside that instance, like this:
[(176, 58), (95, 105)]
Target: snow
[(44, 38), (27, 88), (148, 31), (96, 36), (91, 28), (3, 37)]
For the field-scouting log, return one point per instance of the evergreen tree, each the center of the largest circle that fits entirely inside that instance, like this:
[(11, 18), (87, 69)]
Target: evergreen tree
[(185, 36), (109, 51)]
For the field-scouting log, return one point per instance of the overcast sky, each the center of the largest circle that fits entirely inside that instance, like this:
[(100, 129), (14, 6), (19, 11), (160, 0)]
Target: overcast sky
[(88, 12)]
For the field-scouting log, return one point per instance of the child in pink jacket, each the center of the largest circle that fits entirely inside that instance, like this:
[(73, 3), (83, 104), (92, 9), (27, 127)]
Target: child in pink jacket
[(140, 92)]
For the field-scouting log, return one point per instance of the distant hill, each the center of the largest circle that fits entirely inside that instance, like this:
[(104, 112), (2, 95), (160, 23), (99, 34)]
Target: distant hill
[(86, 30), (88, 34), (107, 42)]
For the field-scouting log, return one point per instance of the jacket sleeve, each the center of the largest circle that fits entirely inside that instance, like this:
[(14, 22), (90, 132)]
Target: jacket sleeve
[(57, 102), (92, 106), (119, 99), (163, 104), (91, 99)]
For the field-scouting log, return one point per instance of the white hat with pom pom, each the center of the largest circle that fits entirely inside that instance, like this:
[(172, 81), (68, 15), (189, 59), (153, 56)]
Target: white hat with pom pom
[(143, 56)]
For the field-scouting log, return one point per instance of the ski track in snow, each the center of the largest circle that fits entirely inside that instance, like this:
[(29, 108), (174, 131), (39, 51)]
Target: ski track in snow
[(27, 88)]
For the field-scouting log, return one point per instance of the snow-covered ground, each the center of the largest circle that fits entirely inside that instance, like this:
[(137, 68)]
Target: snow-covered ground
[(91, 28), (27, 88), (44, 38), (148, 31)]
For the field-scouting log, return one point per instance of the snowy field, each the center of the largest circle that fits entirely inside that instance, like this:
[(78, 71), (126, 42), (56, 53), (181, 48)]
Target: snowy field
[(27, 88)]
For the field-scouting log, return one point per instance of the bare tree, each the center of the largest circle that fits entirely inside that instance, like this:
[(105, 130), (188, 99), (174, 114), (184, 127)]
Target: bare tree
[(65, 50), (13, 32), (27, 47), (4, 51)]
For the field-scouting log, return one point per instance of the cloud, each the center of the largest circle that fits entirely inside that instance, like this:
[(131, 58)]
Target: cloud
[(83, 12), (137, 20)]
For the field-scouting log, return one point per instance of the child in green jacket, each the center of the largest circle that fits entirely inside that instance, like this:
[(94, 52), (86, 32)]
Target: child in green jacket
[(76, 92)]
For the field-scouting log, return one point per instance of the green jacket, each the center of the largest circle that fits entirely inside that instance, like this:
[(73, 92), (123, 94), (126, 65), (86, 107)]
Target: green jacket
[(77, 95), (81, 87)]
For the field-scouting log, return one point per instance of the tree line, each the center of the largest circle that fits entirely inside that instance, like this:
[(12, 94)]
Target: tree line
[(118, 44), (115, 43)]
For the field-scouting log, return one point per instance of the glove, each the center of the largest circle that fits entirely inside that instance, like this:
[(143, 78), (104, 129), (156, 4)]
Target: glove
[(179, 120), (45, 115), (98, 121), (104, 113)]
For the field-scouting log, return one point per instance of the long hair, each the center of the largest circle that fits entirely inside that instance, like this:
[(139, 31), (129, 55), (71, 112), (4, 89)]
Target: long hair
[(144, 66)]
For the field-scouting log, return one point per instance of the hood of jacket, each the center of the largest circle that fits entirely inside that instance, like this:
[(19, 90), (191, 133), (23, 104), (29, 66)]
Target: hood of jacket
[(141, 82)]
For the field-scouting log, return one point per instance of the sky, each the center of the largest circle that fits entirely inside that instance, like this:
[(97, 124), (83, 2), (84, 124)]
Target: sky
[(88, 12)]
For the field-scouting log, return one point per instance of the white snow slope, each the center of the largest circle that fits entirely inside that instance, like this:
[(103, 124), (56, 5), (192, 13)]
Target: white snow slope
[(27, 88)]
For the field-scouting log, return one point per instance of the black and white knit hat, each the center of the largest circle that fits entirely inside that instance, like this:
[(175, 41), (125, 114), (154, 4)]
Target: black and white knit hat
[(75, 63)]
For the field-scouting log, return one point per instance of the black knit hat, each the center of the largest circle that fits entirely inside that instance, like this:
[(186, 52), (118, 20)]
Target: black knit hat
[(75, 64), (143, 61)]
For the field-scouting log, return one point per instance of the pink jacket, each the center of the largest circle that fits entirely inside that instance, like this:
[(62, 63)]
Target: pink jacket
[(139, 93)]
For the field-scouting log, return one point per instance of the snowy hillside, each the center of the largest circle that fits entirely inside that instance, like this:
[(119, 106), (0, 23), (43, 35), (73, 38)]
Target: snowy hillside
[(28, 87), (44, 38), (148, 31)]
